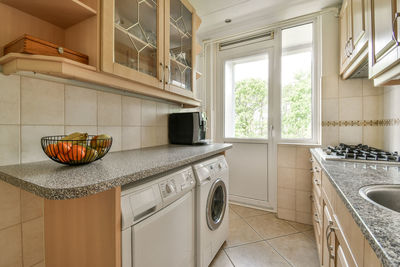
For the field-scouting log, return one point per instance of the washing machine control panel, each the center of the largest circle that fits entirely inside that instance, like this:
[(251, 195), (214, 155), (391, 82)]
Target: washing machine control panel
[(177, 184)]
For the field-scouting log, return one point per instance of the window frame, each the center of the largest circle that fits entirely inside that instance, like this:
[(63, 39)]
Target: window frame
[(315, 87)]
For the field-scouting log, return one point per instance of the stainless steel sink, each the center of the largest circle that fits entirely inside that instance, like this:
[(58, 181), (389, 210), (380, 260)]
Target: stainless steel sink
[(387, 196)]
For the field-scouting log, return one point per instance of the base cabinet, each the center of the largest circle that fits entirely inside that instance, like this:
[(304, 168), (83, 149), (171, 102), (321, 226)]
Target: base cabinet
[(340, 242)]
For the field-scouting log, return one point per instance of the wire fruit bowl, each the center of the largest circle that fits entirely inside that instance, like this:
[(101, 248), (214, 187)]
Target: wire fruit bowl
[(80, 150)]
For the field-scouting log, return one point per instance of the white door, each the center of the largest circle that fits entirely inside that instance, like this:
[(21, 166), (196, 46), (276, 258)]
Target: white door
[(245, 118)]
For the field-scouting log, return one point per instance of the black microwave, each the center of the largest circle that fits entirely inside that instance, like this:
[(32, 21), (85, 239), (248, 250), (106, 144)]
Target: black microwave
[(187, 128)]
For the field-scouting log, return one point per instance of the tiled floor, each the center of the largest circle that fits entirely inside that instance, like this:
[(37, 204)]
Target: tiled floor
[(258, 238)]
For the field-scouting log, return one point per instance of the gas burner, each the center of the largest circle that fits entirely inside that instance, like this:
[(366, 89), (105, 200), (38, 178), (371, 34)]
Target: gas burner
[(360, 153)]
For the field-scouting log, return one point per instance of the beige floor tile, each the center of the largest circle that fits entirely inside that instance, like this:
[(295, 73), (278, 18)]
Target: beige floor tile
[(301, 227), (221, 260), (232, 214), (240, 233), (245, 212), (298, 249), (268, 226), (255, 254), (310, 234)]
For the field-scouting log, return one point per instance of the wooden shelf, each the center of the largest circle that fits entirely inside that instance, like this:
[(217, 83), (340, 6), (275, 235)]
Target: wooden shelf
[(69, 69), (120, 28), (180, 63), (63, 13)]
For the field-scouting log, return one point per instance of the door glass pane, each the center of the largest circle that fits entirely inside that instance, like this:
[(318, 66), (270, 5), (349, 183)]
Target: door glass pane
[(296, 102), (180, 47), (135, 38), (246, 97)]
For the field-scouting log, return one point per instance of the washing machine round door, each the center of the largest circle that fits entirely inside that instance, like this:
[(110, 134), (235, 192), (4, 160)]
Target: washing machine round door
[(216, 204)]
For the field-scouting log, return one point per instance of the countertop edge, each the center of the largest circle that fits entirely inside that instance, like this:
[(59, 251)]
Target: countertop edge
[(379, 251), (84, 191)]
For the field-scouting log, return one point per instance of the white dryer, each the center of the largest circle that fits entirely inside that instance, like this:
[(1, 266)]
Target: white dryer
[(212, 208)]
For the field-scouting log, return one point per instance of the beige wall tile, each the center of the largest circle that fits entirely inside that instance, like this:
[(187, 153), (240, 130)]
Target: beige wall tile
[(391, 108), (286, 156), (351, 135), (109, 109), (372, 136), (351, 108), (330, 109), (131, 111), (9, 205), (9, 99), (287, 214), (162, 114), (330, 86), (391, 142), (370, 89), (80, 106), (115, 133), (350, 88), (303, 180), (286, 178), (91, 130), (149, 136), (31, 149), (286, 198), (303, 156), (372, 107), (33, 241), (149, 113), (162, 135), (304, 217), (303, 201), (42, 102), (9, 144), (31, 206), (131, 138), (10, 247), (330, 136)]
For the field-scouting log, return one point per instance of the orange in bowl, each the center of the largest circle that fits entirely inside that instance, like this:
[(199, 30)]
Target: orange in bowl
[(64, 147), (77, 153), (52, 150), (63, 158)]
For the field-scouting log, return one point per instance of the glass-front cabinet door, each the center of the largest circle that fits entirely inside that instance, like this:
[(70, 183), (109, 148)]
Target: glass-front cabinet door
[(132, 38), (180, 25)]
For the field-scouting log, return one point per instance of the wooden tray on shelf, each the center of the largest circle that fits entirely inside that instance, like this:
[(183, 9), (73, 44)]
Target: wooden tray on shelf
[(28, 44)]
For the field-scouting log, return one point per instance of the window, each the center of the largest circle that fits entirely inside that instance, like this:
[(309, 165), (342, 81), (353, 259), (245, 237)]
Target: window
[(297, 85), (246, 97)]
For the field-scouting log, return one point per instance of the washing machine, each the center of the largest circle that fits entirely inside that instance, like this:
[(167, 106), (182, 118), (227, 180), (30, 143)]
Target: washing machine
[(158, 221), (212, 209)]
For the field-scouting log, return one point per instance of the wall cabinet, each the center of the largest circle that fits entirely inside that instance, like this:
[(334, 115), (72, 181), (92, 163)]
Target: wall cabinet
[(353, 37), (340, 241), (152, 42)]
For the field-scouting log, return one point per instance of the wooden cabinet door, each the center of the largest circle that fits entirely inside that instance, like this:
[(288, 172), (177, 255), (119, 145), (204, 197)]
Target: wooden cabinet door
[(181, 24), (340, 257), (358, 14), (132, 40), (345, 33), (384, 33)]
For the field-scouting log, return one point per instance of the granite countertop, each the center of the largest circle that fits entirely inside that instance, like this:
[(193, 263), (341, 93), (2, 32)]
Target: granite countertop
[(52, 180), (380, 226)]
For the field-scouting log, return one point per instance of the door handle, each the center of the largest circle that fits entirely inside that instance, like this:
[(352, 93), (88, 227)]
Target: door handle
[(396, 16)]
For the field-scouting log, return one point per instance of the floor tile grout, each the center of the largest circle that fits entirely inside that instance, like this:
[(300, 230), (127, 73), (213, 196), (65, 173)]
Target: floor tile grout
[(278, 253)]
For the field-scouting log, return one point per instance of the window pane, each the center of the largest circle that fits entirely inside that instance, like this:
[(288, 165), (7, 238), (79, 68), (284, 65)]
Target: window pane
[(246, 97), (296, 102)]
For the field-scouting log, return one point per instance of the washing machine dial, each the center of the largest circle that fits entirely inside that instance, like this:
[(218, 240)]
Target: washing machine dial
[(169, 187)]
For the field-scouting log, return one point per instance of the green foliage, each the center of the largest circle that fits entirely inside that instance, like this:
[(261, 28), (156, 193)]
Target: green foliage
[(296, 107), (251, 108)]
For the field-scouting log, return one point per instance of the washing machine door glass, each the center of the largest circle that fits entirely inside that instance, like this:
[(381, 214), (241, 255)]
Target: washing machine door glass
[(216, 204)]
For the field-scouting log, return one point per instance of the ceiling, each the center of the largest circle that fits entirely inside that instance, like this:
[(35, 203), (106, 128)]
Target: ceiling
[(247, 14)]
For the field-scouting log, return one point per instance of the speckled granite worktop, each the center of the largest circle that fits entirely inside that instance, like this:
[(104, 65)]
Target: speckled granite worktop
[(380, 226), (52, 180)]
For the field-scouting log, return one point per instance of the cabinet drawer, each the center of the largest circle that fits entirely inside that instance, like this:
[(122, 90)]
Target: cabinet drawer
[(317, 223)]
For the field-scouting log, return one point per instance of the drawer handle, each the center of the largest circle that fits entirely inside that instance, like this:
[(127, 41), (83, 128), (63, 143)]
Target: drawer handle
[(396, 16), (329, 230)]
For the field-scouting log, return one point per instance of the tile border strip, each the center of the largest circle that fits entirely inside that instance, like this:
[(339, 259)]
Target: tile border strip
[(386, 122)]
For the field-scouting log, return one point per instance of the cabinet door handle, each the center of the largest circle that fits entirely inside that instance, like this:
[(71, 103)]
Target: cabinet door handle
[(350, 47), (166, 74), (162, 73), (328, 232), (396, 16)]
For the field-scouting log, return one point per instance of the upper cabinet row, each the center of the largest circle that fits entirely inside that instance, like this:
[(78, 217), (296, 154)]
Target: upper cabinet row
[(147, 47), (369, 40), (152, 41)]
